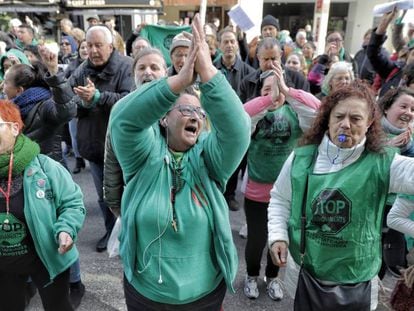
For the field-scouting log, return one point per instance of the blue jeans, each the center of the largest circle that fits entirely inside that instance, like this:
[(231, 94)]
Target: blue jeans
[(73, 130), (75, 275), (97, 175)]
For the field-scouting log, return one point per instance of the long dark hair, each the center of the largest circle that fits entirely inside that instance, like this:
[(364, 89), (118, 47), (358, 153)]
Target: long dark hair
[(375, 136)]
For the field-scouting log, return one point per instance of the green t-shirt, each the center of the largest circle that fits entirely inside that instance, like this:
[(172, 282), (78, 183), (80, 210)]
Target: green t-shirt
[(272, 142)]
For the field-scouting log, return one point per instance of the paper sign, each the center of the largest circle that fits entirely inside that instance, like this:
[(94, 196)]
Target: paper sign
[(240, 18), (381, 9)]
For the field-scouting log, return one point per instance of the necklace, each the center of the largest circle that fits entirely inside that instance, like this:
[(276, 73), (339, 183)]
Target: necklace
[(337, 154), (7, 194)]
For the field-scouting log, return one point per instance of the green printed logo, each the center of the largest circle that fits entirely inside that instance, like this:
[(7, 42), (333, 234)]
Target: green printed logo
[(12, 230), (331, 211)]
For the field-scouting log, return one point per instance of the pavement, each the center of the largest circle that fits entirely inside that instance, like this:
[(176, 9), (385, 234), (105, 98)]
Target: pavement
[(102, 275)]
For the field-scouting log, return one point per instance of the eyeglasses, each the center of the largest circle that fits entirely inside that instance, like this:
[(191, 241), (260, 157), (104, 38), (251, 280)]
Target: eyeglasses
[(3, 123), (189, 111), (64, 43), (332, 40)]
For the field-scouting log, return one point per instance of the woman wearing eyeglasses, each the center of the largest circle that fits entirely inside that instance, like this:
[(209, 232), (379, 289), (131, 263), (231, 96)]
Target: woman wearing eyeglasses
[(176, 243), (41, 212), (68, 50)]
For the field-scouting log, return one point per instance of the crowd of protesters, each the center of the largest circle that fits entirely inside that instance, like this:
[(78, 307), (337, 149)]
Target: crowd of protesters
[(168, 133)]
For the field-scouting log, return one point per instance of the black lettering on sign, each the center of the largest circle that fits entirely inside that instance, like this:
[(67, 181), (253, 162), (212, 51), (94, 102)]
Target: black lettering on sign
[(331, 211)]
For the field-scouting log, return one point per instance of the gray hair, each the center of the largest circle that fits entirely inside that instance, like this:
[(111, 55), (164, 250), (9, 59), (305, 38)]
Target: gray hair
[(336, 68), (105, 30), (149, 51), (268, 43)]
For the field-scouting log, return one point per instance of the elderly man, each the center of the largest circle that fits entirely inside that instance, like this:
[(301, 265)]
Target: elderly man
[(234, 69), (96, 85), (178, 52)]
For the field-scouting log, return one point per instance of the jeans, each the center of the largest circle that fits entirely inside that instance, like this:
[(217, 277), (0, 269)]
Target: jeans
[(73, 130), (97, 175), (75, 275)]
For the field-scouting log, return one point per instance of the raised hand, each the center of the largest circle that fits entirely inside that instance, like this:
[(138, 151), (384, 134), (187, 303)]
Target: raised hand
[(385, 21), (49, 58), (280, 79), (203, 65)]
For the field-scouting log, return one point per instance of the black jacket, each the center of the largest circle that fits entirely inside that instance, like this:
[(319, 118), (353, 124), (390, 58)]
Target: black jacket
[(113, 81), (390, 71), (44, 123), (251, 85), (236, 74)]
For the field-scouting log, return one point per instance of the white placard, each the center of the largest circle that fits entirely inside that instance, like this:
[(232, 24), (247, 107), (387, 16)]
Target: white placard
[(240, 18), (381, 9)]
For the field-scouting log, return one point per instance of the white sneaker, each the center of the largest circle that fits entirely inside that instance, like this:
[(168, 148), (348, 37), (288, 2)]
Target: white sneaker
[(243, 231), (250, 287), (274, 289)]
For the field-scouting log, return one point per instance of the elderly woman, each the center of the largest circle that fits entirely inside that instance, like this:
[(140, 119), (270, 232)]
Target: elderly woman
[(43, 208), (341, 175), (339, 75), (176, 243)]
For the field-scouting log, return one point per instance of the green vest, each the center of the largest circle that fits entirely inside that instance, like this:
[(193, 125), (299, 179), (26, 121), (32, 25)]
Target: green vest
[(161, 37), (274, 139), (344, 213)]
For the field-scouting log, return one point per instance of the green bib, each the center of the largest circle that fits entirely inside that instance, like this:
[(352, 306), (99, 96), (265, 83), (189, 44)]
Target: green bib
[(274, 139), (344, 213)]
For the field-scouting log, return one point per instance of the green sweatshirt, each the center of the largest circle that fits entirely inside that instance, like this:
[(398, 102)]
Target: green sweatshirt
[(52, 203), (164, 265)]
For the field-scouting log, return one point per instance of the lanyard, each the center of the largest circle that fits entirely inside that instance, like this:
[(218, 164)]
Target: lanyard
[(9, 180)]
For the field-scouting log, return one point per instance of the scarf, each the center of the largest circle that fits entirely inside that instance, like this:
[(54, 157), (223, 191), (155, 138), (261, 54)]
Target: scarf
[(391, 129), (24, 152), (30, 97)]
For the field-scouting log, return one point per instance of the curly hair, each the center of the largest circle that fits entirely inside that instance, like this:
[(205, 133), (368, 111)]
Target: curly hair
[(391, 96), (375, 137)]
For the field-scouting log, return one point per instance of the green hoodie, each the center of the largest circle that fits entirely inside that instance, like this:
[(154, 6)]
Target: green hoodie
[(52, 203), (163, 265), (19, 54)]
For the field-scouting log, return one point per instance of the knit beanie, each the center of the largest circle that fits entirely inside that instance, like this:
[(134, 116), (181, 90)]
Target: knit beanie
[(270, 20), (179, 40)]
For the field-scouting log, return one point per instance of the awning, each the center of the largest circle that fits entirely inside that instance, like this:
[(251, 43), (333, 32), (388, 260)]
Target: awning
[(28, 9)]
